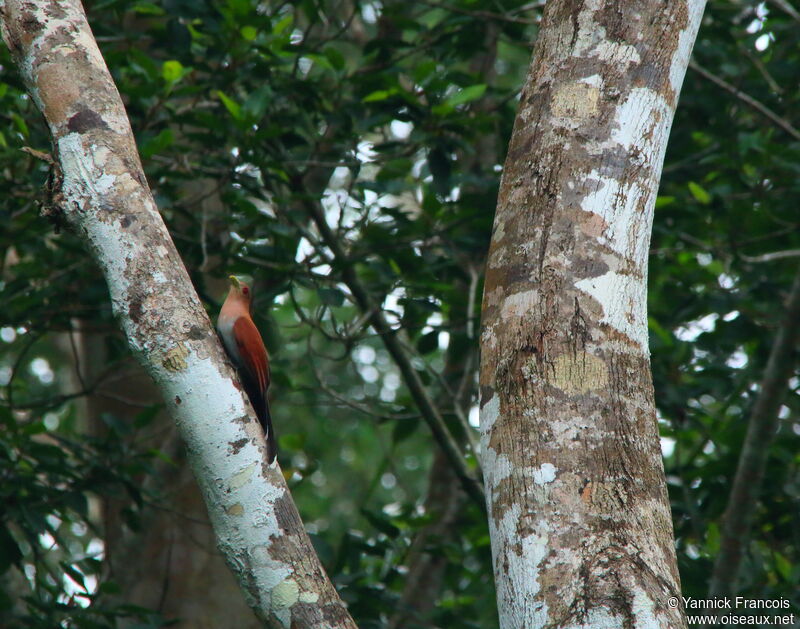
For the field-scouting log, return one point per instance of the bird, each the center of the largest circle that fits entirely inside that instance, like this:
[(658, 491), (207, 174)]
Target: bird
[(245, 348)]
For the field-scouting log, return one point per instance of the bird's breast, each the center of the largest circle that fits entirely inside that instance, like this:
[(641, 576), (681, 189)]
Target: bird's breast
[(225, 329)]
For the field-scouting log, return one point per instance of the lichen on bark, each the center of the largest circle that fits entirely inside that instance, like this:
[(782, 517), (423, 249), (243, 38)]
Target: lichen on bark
[(105, 199)]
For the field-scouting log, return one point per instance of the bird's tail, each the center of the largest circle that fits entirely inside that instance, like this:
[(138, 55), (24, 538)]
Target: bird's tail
[(265, 418)]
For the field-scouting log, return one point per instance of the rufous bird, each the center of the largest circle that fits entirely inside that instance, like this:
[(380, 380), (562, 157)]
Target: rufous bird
[(244, 346)]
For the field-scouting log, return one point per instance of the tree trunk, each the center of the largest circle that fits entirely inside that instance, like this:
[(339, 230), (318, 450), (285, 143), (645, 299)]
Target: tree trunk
[(102, 194), (578, 511)]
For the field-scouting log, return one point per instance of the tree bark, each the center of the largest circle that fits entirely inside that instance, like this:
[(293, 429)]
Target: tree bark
[(578, 511), (101, 193)]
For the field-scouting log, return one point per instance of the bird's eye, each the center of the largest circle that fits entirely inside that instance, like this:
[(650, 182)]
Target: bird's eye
[(245, 291)]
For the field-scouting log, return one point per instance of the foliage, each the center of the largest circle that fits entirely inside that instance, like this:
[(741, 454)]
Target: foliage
[(394, 117), (727, 198)]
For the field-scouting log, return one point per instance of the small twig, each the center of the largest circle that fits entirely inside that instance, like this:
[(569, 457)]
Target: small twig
[(16, 366), (690, 160), (76, 357), (430, 412), (350, 404), (473, 289), (45, 157), (453, 395), (769, 257), (787, 8), (123, 399), (762, 69), (747, 99), (789, 229), (204, 240)]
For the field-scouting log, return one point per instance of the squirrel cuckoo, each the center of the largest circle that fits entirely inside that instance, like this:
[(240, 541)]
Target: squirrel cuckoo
[(246, 350)]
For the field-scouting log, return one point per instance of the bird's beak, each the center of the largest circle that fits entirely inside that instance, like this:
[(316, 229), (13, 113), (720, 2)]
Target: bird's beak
[(235, 282)]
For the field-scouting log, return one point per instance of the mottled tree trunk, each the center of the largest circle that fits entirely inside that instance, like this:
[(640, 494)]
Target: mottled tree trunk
[(101, 193), (578, 511)]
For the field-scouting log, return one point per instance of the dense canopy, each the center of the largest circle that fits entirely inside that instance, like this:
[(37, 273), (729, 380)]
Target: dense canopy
[(258, 124)]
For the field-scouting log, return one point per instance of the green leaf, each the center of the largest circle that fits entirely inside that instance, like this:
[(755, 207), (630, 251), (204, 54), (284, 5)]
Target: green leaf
[(467, 95), (423, 70), (379, 95), (146, 417), (233, 107), (381, 523), (161, 455), (699, 193), (664, 201), (441, 169), (783, 566), (21, 125), (115, 423), (147, 8), (282, 25), (321, 60), (291, 441), (34, 428), (249, 32), (239, 7), (335, 58), (659, 330), (712, 538), (172, 71), (256, 104), (157, 144)]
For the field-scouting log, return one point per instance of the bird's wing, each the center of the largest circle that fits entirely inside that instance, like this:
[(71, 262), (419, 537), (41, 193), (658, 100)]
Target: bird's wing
[(252, 351)]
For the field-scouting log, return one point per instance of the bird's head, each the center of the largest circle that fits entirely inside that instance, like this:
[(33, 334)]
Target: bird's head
[(240, 290)]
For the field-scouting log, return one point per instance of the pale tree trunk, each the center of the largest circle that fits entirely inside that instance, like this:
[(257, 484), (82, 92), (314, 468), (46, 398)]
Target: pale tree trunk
[(103, 196), (578, 511), (170, 564)]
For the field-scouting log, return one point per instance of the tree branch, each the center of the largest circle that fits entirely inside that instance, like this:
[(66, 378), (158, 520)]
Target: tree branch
[(773, 255), (761, 429), (746, 99), (419, 393), (105, 199), (787, 8)]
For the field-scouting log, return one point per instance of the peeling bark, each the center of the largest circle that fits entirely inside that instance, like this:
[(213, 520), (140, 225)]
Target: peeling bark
[(104, 197), (579, 517)]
